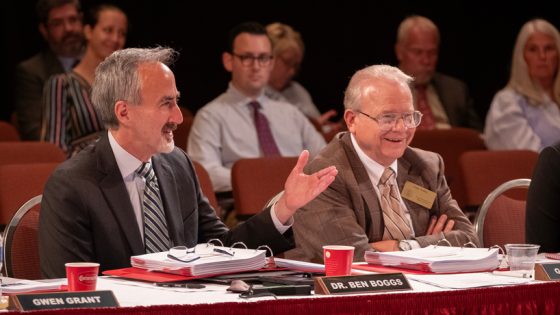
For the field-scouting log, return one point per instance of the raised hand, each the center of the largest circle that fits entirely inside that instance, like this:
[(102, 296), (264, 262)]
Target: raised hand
[(301, 188)]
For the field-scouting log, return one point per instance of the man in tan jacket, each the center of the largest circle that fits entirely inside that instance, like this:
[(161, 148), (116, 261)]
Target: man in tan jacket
[(357, 209)]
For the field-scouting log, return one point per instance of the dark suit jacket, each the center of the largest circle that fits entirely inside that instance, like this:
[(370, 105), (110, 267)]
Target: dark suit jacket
[(456, 101), (543, 202), (348, 212), (30, 78), (86, 213)]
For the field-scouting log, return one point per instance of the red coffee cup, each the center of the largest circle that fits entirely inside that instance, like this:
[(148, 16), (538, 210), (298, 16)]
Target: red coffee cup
[(82, 276), (338, 259)]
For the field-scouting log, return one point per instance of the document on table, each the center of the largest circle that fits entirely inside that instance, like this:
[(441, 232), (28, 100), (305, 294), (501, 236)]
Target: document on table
[(467, 280), (299, 265), (438, 259), (222, 260), (15, 286)]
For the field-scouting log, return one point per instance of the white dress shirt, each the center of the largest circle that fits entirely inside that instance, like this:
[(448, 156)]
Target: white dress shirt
[(128, 164), (375, 170), (224, 131)]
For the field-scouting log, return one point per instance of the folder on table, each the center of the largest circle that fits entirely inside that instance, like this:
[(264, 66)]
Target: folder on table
[(438, 259), (219, 260)]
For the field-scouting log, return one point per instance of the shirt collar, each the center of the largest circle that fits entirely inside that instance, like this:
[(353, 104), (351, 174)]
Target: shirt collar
[(127, 163), (374, 169), (239, 98), (67, 62)]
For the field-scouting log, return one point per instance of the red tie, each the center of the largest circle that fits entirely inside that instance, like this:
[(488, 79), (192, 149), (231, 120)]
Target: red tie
[(266, 140), (428, 120)]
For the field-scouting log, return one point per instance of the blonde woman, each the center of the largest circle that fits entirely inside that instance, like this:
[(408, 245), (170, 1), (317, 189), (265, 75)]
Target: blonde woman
[(288, 50), (526, 114)]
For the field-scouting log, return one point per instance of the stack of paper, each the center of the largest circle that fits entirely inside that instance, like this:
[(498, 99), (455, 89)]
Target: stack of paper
[(206, 265), (299, 265), (15, 286), (438, 259)]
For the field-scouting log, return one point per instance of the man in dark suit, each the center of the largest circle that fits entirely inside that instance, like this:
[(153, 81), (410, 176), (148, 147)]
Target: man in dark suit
[(356, 209), (543, 202), (60, 24), (94, 205), (447, 99)]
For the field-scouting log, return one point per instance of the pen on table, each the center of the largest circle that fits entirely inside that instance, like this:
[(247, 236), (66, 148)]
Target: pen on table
[(180, 285), (516, 274)]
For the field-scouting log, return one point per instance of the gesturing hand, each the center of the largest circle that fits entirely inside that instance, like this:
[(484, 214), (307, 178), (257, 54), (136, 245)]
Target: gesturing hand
[(301, 188)]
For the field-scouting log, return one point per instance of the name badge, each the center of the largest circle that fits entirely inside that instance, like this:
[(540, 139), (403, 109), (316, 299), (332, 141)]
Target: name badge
[(418, 194), (45, 301)]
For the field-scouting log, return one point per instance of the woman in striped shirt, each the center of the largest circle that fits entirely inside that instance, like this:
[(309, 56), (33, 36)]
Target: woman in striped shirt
[(69, 117)]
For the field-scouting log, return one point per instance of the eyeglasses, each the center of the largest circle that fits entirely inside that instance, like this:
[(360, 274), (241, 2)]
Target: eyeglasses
[(248, 60), (187, 255), (389, 120)]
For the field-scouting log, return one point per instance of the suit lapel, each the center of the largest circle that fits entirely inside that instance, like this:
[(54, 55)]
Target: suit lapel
[(446, 95), (116, 195), (406, 172), (170, 198)]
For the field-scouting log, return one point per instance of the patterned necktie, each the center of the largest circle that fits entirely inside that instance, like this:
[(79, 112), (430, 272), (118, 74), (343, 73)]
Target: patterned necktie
[(266, 140), (396, 226), (428, 119), (156, 236)]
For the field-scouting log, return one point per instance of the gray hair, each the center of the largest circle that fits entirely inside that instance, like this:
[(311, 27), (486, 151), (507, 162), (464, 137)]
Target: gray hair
[(363, 83), (415, 21), (116, 79), (520, 80)]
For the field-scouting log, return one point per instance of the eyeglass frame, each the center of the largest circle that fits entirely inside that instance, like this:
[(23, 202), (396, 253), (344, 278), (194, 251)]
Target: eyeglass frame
[(197, 252), (390, 125), (248, 60)]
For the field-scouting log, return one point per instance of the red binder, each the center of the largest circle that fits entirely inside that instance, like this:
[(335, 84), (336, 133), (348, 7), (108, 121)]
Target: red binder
[(155, 276), (388, 269), (146, 275)]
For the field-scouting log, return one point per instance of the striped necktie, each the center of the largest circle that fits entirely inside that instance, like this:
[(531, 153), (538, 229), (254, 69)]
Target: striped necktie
[(396, 226), (266, 140), (156, 236)]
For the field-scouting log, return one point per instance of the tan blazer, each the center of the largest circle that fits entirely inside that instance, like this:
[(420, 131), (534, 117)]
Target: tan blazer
[(349, 212)]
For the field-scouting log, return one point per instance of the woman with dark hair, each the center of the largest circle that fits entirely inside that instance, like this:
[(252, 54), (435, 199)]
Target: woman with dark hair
[(69, 118)]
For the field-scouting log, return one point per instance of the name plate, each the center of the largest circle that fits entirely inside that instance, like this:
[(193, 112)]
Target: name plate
[(547, 271), (45, 301), (361, 283)]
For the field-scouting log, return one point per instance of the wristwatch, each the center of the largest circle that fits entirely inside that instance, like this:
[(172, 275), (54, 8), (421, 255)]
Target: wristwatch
[(404, 245)]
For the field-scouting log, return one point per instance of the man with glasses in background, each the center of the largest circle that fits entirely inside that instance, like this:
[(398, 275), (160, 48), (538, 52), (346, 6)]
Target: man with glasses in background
[(243, 122), (60, 24), (387, 196)]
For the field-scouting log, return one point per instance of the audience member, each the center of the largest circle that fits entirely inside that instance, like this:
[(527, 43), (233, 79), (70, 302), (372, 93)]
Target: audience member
[(363, 206), (525, 114), (443, 100), (543, 202), (97, 206), (288, 50), (69, 117), (244, 122), (60, 24)]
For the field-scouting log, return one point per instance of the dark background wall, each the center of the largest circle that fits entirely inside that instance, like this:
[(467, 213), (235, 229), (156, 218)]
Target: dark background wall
[(341, 37)]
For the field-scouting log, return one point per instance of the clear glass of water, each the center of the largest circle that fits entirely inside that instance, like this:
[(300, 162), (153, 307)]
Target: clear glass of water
[(521, 256)]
